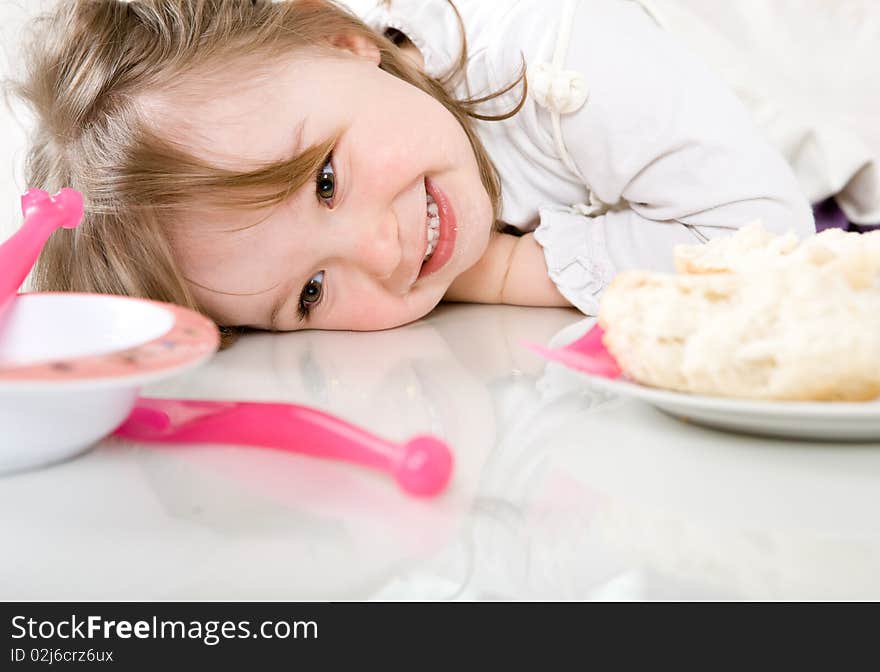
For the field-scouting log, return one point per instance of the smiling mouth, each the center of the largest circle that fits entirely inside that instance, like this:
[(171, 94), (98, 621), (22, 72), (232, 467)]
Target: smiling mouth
[(441, 224)]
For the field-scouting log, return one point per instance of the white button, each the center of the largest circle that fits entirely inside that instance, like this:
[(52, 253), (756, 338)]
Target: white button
[(561, 91)]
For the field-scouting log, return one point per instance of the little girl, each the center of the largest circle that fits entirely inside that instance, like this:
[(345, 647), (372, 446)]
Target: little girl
[(284, 165)]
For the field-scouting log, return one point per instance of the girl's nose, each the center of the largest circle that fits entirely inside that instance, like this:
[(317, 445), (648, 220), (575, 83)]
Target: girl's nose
[(375, 246)]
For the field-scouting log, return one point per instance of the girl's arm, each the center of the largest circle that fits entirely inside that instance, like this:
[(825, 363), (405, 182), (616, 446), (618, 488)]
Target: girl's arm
[(512, 271)]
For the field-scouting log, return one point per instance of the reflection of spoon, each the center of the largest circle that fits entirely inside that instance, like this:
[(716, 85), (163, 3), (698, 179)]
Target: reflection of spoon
[(587, 354), (43, 214), (422, 466)]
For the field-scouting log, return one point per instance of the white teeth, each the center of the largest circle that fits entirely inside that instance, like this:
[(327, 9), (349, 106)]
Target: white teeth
[(433, 224)]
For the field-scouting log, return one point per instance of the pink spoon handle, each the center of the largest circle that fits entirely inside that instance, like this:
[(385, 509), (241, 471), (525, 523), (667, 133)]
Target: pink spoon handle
[(43, 214), (422, 466), (587, 354)]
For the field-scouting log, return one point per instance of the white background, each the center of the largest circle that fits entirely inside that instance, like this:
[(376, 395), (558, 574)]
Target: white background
[(13, 119)]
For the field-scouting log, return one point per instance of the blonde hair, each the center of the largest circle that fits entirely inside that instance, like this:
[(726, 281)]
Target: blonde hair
[(89, 62)]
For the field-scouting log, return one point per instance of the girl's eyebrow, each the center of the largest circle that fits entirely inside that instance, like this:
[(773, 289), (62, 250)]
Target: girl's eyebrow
[(298, 134), (277, 305)]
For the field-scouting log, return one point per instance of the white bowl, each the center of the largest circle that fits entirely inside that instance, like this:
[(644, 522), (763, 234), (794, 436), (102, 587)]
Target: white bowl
[(72, 365)]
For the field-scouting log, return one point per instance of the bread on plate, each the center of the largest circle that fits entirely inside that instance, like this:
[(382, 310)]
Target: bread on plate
[(756, 316)]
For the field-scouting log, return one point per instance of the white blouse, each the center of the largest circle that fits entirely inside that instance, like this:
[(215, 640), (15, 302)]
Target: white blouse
[(627, 145)]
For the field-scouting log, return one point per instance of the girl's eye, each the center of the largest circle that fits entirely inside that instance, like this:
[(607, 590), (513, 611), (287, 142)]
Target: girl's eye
[(325, 182), (311, 295)]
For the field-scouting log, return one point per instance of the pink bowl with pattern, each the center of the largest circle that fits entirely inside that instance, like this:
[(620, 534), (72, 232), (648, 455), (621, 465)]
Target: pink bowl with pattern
[(72, 365)]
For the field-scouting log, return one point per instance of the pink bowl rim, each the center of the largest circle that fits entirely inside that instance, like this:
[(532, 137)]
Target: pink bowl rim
[(191, 339)]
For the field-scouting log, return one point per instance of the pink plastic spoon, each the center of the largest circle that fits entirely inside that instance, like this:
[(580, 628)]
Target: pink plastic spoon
[(422, 466), (587, 354), (43, 214)]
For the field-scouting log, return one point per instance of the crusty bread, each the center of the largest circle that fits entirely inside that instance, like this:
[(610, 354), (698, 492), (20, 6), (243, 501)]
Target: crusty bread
[(755, 316), (752, 244)]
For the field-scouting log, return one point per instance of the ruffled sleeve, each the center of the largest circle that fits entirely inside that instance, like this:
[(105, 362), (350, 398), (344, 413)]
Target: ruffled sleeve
[(577, 260)]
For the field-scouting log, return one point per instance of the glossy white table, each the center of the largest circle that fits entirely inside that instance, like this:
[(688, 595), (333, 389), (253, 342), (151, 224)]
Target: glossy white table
[(559, 492)]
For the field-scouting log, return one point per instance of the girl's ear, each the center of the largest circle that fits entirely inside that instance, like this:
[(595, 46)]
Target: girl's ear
[(358, 45)]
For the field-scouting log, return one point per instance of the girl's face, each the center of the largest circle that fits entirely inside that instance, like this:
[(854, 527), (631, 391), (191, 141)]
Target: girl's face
[(347, 250)]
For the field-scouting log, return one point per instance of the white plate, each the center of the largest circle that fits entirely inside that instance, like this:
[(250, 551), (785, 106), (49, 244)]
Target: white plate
[(825, 421)]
